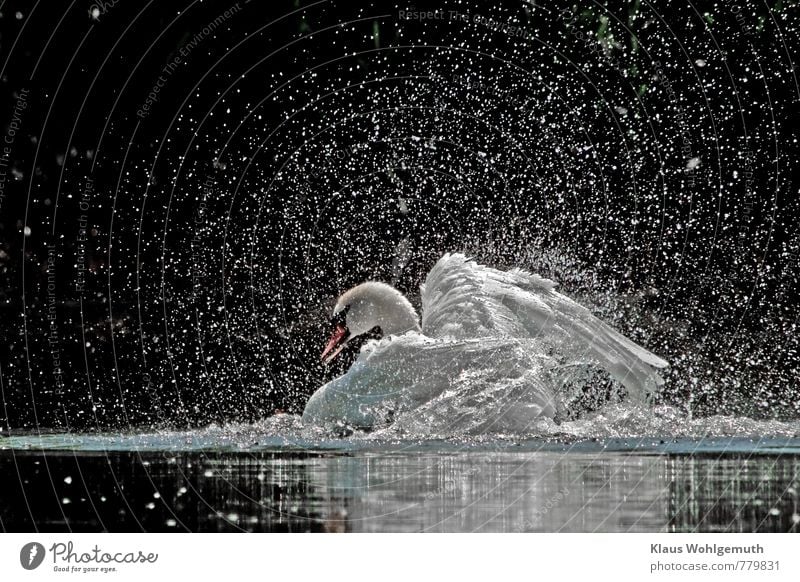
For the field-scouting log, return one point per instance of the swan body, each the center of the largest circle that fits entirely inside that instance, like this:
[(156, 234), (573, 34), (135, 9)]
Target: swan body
[(489, 353)]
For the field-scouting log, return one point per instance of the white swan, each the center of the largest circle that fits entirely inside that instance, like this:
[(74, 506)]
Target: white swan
[(489, 355)]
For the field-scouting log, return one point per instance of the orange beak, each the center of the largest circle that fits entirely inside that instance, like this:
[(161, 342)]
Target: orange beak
[(338, 340)]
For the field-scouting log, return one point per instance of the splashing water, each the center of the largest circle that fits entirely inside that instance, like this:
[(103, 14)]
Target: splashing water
[(616, 428), (186, 262)]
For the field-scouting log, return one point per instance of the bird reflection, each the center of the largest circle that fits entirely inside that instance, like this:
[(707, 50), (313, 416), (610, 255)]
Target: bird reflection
[(465, 491)]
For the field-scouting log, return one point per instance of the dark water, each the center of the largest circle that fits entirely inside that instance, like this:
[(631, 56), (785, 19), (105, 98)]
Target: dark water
[(685, 485)]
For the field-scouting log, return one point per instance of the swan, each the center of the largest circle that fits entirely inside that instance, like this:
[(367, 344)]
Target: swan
[(492, 352)]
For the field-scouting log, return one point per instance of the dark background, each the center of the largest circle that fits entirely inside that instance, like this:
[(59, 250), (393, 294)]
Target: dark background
[(299, 149)]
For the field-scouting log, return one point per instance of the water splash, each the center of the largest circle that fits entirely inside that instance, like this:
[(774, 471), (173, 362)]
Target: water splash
[(191, 235)]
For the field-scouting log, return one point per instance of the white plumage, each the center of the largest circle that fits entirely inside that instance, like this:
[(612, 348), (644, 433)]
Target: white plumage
[(489, 356)]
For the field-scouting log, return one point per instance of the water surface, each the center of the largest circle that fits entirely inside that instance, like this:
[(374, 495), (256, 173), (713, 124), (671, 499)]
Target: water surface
[(258, 478)]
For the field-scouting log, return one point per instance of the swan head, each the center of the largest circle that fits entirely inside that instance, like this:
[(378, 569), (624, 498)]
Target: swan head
[(366, 307)]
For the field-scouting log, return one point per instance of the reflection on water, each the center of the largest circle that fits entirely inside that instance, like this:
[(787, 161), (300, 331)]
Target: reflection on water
[(463, 491)]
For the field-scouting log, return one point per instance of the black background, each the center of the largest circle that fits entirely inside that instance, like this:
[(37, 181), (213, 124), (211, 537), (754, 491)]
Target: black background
[(300, 149)]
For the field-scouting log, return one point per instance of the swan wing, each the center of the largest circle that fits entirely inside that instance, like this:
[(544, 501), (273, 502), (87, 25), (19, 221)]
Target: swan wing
[(462, 299)]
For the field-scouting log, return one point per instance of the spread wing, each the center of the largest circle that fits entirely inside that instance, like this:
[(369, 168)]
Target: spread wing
[(463, 299)]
